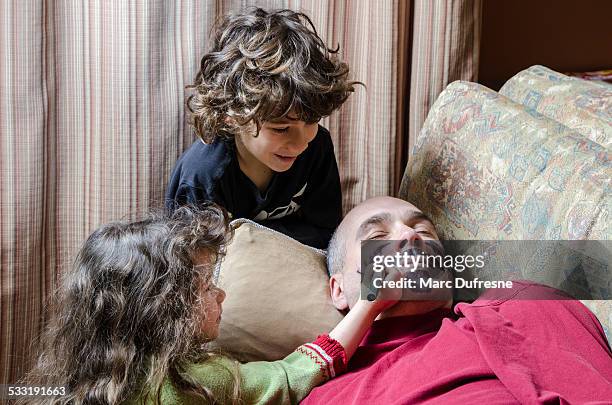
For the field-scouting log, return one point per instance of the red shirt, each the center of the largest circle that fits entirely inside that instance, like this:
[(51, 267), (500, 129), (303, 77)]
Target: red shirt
[(500, 349)]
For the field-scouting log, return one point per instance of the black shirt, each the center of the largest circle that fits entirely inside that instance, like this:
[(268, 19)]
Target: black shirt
[(303, 202)]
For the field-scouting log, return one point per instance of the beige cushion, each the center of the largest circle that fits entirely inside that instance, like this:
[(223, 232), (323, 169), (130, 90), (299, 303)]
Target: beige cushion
[(277, 294)]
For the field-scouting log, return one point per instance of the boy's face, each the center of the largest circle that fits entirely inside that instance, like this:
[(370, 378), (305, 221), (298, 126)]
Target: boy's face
[(279, 143)]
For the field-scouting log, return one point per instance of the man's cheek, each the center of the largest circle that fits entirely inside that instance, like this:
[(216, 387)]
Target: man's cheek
[(353, 298)]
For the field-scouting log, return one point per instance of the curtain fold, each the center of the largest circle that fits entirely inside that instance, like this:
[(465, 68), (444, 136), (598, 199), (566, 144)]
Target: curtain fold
[(364, 129), (92, 117), (445, 48), (91, 123)]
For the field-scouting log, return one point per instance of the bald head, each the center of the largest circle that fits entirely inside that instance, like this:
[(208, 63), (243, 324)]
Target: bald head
[(336, 251), (372, 219), (379, 218)]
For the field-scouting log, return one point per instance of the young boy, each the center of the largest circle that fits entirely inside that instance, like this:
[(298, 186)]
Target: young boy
[(258, 98)]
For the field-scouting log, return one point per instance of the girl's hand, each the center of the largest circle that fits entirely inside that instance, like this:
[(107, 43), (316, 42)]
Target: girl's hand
[(353, 327), (386, 297)]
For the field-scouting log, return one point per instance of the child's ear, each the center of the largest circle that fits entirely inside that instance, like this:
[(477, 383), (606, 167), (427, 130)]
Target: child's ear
[(336, 289)]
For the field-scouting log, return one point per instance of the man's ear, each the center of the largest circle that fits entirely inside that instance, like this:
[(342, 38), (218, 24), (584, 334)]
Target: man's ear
[(336, 289)]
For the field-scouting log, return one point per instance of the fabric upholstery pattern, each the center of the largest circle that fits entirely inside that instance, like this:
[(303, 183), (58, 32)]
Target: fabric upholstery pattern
[(603, 310), (584, 106), (487, 168)]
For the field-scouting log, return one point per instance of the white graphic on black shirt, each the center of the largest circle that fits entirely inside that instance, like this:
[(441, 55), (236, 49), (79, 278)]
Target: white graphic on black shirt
[(282, 211)]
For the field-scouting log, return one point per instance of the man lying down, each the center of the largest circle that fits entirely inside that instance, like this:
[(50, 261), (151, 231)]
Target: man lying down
[(489, 352)]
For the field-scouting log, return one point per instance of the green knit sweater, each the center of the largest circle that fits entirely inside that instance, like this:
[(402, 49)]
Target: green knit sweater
[(285, 381)]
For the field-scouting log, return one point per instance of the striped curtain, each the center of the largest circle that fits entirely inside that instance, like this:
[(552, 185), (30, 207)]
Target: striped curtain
[(445, 48), (92, 117), (91, 122)]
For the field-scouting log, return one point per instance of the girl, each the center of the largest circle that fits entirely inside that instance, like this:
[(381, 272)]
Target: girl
[(137, 309)]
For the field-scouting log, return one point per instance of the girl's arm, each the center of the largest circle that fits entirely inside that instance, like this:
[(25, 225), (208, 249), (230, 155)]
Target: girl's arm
[(350, 331), (289, 380)]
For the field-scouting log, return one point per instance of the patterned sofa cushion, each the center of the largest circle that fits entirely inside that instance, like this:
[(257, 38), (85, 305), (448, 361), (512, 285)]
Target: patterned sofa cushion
[(584, 106), (487, 168)]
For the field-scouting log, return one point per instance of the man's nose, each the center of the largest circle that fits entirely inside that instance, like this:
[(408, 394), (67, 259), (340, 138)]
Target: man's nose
[(407, 236)]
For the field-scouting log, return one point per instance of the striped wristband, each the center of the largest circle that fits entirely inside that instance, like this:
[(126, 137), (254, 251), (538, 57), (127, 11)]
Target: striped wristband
[(332, 352)]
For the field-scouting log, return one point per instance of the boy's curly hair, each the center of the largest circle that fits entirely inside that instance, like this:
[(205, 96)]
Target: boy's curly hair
[(263, 65)]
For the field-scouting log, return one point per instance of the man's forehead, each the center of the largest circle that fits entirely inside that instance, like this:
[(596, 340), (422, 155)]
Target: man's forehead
[(391, 210), (385, 216)]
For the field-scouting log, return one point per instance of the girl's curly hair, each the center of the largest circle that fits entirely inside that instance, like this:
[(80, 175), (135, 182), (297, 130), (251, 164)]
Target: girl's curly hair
[(128, 315), (263, 65)]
